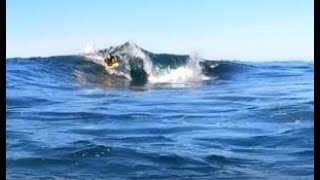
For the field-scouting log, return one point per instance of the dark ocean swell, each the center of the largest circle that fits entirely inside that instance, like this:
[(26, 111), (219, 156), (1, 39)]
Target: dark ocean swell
[(90, 72)]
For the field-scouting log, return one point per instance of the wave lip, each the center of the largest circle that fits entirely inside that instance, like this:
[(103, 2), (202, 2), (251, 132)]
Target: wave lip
[(141, 66)]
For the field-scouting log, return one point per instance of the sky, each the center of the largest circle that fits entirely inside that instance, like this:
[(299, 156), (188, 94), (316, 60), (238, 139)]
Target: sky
[(214, 29)]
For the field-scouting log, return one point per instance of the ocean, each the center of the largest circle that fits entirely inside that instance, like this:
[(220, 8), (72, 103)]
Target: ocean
[(160, 116)]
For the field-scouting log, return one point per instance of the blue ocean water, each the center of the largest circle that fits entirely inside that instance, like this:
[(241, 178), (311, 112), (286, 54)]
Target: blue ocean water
[(67, 118)]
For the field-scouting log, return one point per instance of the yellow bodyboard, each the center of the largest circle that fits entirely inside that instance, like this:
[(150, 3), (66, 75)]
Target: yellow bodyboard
[(114, 65)]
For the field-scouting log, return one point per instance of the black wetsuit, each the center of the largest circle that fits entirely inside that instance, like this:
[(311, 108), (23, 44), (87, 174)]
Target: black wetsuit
[(110, 60)]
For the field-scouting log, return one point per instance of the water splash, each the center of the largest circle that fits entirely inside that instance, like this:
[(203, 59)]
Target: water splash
[(133, 58), (89, 48), (190, 72)]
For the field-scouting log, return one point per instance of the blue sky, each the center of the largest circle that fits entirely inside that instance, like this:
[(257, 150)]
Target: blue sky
[(215, 29)]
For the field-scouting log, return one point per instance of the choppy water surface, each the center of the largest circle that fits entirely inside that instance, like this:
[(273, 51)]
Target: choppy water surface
[(246, 121)]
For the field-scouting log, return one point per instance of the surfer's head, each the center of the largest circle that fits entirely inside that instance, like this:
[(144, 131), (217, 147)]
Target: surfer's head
[(111, 61)]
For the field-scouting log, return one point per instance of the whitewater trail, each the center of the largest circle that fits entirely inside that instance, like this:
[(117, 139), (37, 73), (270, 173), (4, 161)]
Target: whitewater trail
[(191, 72)]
